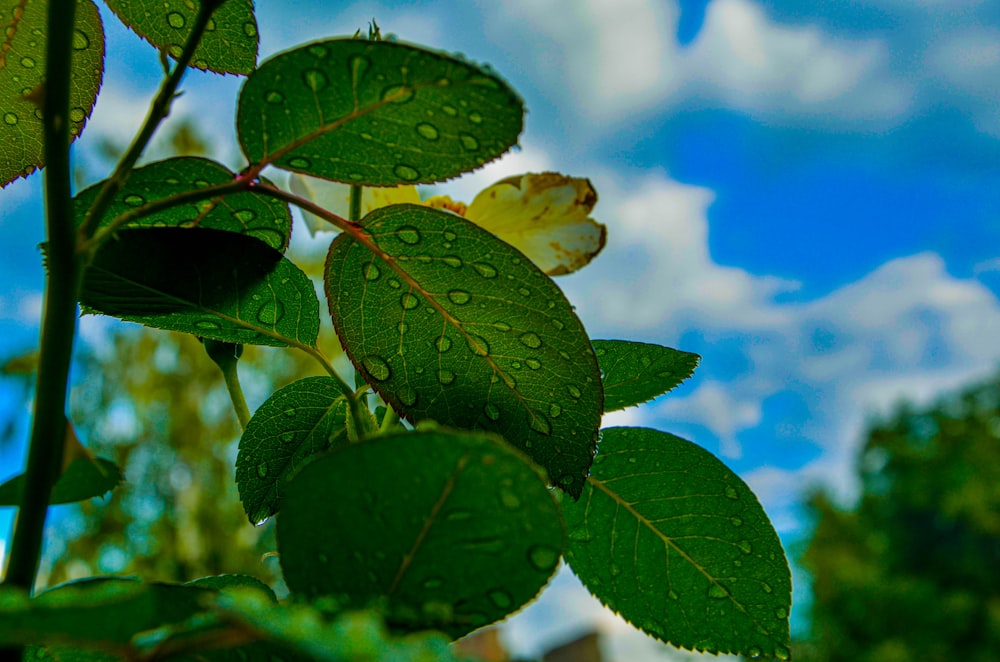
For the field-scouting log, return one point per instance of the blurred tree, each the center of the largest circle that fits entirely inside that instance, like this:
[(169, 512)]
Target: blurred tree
[(912, 572)]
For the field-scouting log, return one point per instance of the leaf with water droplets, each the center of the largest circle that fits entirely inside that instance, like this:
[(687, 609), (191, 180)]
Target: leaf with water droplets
[(22, 80), (295, 424), (453, 530), (670, 538), (490, 348), (210, 283), (635, 372), (375, 113), (83, 479), (228, 45), (246, 213)]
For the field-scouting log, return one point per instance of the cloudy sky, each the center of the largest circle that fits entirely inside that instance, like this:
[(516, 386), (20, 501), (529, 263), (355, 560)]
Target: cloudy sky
[(806, 194)]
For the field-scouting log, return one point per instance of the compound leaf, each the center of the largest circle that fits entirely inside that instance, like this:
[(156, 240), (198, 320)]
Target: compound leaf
[(452, 530), (83, 479), (289, 429), (449, 323), (636, 372), (22, 80), (675, 542), (210, 283), (228, 45), (256, 216), (375, 113)]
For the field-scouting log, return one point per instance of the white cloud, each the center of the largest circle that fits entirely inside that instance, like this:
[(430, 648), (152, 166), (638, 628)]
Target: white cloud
[(716, 407)]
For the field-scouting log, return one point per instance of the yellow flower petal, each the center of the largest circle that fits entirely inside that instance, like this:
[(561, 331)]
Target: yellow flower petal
[(546, 216), (336, 197)]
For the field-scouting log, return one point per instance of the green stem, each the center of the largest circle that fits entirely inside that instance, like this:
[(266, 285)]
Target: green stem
[(158, 111), (389, 420), (48, 425), (354, 212), (227, 357)]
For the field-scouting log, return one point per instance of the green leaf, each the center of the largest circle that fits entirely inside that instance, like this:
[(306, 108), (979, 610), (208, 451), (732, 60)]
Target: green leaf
[(22, 80), (257, 216), (375, 113), (676, 543), (289, 429), (636, 372), (452, 530), (83, 479), (211, 283), (449, 323), (228, 46), (347, 637), (230, 583)]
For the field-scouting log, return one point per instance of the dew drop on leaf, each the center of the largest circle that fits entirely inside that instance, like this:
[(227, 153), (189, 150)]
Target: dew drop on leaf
[(501, 599), (469, 142), (525, 292), (780, 613), (717, 591), (491, 411), (767, 588), (397, 93), (477, 345), (736, 521), (10, 118), (782, 653), (372, 271), (377, 367), (534, 364), (287, 437), (530, 339), (432, 583), (409, 301), (262, 470), (731, 493), (271, 313), (449, 110), (543, 557), (134, 200), (208, 325), (408, 235), (555, 410), (427, 131), (509, 500), (80, 41), (573, 391), (459, 297), (443, 344), (673, 595), (176, 20), (475, 118), (299, 162), (745, 546), (406, 173), (485, 269), (446, 377), (290, 413)]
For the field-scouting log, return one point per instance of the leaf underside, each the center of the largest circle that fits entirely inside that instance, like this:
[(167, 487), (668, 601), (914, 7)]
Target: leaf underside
[(453, 530), (636, 372), (451, 324), (22, 76), (675, 542), (210, 283), (375, 113), (83, 479)]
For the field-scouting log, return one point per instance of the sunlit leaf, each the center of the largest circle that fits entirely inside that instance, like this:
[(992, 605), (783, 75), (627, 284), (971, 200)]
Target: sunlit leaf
[(448, 323), (210, 283), (375, 113), (453, 530), (22, 80), (258, 216), (636, 372), (83, 479), (229, 44), (297, 422), (676, 543)]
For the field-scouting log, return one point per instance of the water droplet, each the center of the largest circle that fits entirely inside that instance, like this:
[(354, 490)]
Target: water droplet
[(432, 583), (469, 142), (540, 424), (394, 284), (287, 437), (449, 235), (475, 118), (357, 65), (753, 651), (372, 271), (134, 200), (80, 41), (782, 653), (397, 93), (555, 410), (10, 118), (427, 131), (453, 261), (485, 270), (501, 599), (290, 412), (459, 297), (509, 500), (485, 545), (408, 396), (477, 345), (731, 493), (781, 613), (406, 173), (274, 97), (531, 340), (523, 291), (446, 377), (409, 301), (767, 588), (176, 20), (745, 546), (262, 470), (319, 52), (491, 411), (543, 557), (271, 312), (315, 79), (77, 115), (573, 391), (534, 364), (208, 325), (717, 591), (516, 365), (377, 367), (175, 50), (449, 110), (299, 162), (443, 344), (458, 516), (632, 460)]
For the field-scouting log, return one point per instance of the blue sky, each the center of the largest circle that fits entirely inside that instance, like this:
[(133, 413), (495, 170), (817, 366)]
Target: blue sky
[(807, 194)]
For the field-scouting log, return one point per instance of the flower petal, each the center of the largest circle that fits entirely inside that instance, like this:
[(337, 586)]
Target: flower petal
[(336, 197), (545, 216)]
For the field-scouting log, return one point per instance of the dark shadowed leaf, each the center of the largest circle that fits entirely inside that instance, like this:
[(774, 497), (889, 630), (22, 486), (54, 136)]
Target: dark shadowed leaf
[(453, 530), (449, 323), (211, 283), (635, 372), (375, 113), (675, 542), (83, 479)]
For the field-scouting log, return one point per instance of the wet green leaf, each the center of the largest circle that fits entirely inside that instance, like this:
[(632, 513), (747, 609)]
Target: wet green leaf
[(83, 479), (287, 431), (675, 542), (229, 44), (635, 372), (452, 530), (375, 113), (449, 323), (210, 283), (256, 216), (22, 80), (230, 583)]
